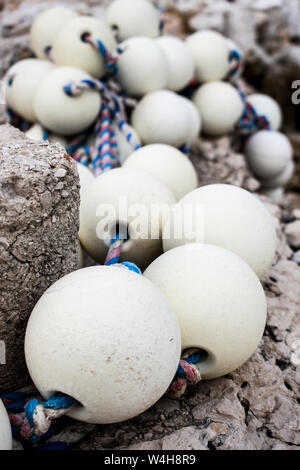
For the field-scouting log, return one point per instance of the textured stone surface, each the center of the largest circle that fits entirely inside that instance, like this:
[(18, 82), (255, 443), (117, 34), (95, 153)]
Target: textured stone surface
[(39, 199)]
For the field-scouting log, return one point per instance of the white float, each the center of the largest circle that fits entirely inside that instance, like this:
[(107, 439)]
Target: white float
[(45, 27), (196, 121), (211, 55), (281, 179), (70, 48), (180, 61), (131, 18), (36, 132), (268, 153), (115, 354), (22, 80), (86, 177), (266, 106), (63, 114), (162, 117), (168, 164), (142, 66), (220, 107), (226, 216), (5, 429), (275, 195), (132, 199), (218, 300)]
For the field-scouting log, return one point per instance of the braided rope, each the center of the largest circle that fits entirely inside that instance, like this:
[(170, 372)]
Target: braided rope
[(250, 121), (187, 374), (31, 418), (110, 59), (235, 60), (104, 155), (114, 254)]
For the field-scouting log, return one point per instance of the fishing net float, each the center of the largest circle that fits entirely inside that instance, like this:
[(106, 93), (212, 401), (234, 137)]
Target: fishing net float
[(126, 196), (225, 216), (145, 21), (109, 348), (229, 325), (5, 429), (22, 81), (45, 28), (268, 153), (168, 164)]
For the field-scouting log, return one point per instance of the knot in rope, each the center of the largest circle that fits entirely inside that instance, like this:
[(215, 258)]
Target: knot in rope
[(104, 154), (250, 120), (34, 417), (187, 374)]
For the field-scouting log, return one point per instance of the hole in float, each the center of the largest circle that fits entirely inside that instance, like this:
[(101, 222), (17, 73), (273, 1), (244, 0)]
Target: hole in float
[(84, 37), (202, 353), (10, 81), (119, 228), (48, 50), (76, 405)]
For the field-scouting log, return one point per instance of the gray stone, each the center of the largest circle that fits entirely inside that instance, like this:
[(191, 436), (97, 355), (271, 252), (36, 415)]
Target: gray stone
[(38, 235)]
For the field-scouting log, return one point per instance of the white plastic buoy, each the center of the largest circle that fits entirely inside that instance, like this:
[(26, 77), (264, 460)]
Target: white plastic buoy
[(162, 117), (115, 354), (45, 27), (226, 216), (266, 106), (36, 132), (80, 256), (142, 66), (275, 195), (281, 179), (5, 429), (220, 107), (133, 200), (22, 80), (218, 300), (124, 147), (63, 114), (86, 177), (70, 47), (268, 153), (131, 18), (211, 55), (168, 164), (196, 121), (180, 61)]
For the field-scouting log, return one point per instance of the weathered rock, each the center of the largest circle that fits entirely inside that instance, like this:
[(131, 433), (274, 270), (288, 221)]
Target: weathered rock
[(216, 162), (39, 200)]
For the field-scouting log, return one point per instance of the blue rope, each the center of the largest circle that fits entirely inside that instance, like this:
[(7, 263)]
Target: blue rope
[(132, 267), (56, 402), (192, 359)]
